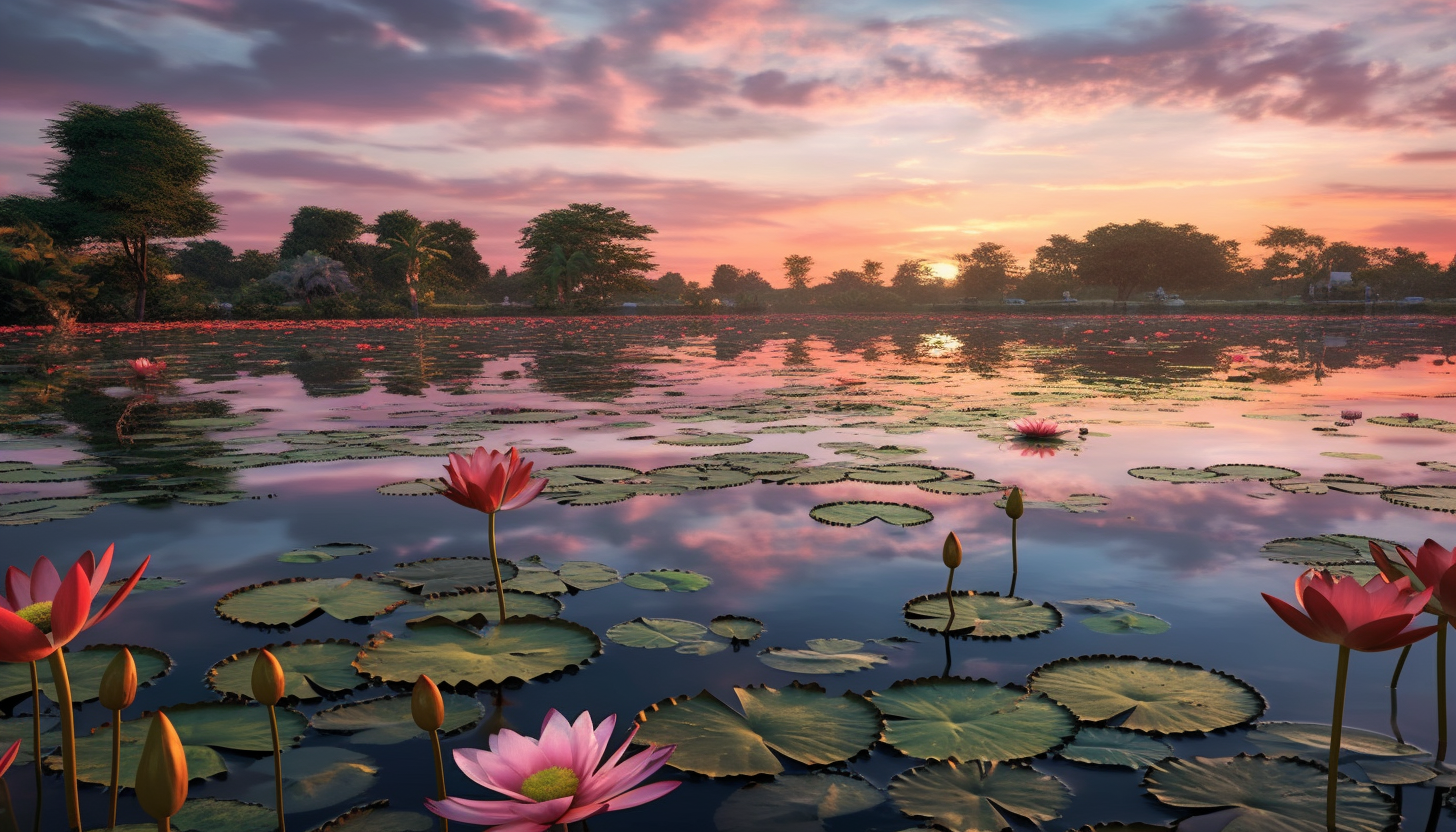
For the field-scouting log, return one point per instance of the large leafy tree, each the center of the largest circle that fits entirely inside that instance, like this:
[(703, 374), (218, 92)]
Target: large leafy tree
[(604, 235), (912, 278), (416, 248), (796, 269), (128, 176), (328, 231), (989, 270), (1146, 254), (38, 277)]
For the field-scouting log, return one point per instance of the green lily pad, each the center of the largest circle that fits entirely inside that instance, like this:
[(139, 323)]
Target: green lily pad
[(377, 817), (84, 667), (293, 601), (1443, 467), (325, 552), (1126, 622), (824, 657), (208, 814), (859, 512), (586, 575), (1152, 695), (706, 439), (796, 803), (1075, 504), (144, 585), (1115, 747), (701, 648), (525, 417), (1325, 550), (1270, 795), (963, 798), (968, 488), (981, 615), (1353, 455), (1162, 473), (667, 580), (437, 576), (897, 474), (608, 493), (1398, 772), (1255, 473), (18, 728), (695, 477), (214, 423), (942, 718), (389, 720), (535, 576), (412, 488), (831, 646), (1312, 740), (1099, 604), (737, 627), (316, 778), (759, 462), (1403, 422), (311, 670), (800, 722), (19, 472), (572, 476), (521, 648), (865, 450), (1428, 497), (44, 509), (655, 633), (477, 609)]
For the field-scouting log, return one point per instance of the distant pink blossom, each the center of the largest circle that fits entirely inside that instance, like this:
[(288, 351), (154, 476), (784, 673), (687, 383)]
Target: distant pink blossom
[(146, 367), (1410, 417), (1238, 359), (1037, 428), (1351, 415)]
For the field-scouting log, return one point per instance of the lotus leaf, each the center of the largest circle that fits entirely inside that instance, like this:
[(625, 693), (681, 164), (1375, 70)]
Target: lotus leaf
[(214, 423), (800, 722), (325, 552), (968, 488), (1305, 739), (377, 817), (534, 576), (1325, 550), (1115, 747), (1124, 622), (1153, 695), (474, 608), (524, 417), (701, 648), (412, 488), (668, 580), (706, 439), (962, 798), (867, 451), (311, 670), (316, 778), (388, 720), (15, 728), (1354, 455), (1178, 475), (1428, 497), (608, 493), (571, 476), (291, 602), (815, 475), (653, 633), (897, 474), (817, 661), (433, 576), (696, 477), (17, 472), (834, 645), (1406, 773), (1443, 467), (522, 648), (1075, 504), (208, 814), (41, 510), (761, 462), (982, 615), (1271, 795), (796, 803), (858, 512), (945, 718), (1403, 422), (737, 627), (84, 667), (1099, 604), (586, 575), (1257, 473)]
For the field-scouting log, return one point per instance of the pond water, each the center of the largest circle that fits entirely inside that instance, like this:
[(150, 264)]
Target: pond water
[(265, 439)]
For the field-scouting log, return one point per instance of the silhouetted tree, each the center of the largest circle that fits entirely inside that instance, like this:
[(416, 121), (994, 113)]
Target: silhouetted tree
[(603, 234)]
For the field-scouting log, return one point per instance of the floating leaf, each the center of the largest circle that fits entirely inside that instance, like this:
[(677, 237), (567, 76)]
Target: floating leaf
[(796, 803), (759, 462), (654, 633), (84, 667), (477, 609), (668, 580), (969, 488), (1099, 604), (19, 472), (586, 575), (1178, 475), (1256, 473), (737, 627), (817, 661), (535, 576), (376, 817), (16, 728), (981, 615), (1404, 422), (525, 417), (1123, 623), (701, 648), (144, 585), (1443, 467), (29, 512), (412, 488), (1115, 747), (1247, 784), (706, 439), (1428, 497), (696, 477), (859, 512), (311, 670), (437, 576), (867, 451), (962, 798), (1354, 455), (1153, 695), (1397, 772), (800, 722), (942, 718), (571, 476), (1325, 550), (208, 814), (1075, 504), (388, 720), (1313, 740), (834, 645), (293, 601), (521, 648), (897, 474), (325, 552), (316, 778)]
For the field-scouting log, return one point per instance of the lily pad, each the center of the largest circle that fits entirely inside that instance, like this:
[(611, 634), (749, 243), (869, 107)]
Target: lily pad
[(294, 601), (943, 718), (981, 615), (412, 488), (1324, 550), (737, 627), (144, 585), (1404, 422), (521, 648), (967, 488), (1126, 622), (1353, 455), (376, 817), (698, 440), (896, 474), (1152, 695), (695, 477), (1099, 604), (655, 633), (800, 722), (1428, 497), (325, 552), (586, 575), (524, 417), (1074, 504), (1312, 740), (966, 798), (821, 658), (311, 670), (44, 509), (433, 576), (316, 778), (208, 814), (477, 609), (1176, 475), (21, 472), (859, 512), (571, 476), (84, 667), (1270, 795), (1254, 473), (1115, 747), (389, 721), (17, 728), (796, 803), (667, 580), (760, 462), (865, 450)]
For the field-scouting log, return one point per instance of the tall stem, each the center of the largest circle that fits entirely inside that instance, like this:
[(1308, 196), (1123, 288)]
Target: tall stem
[(1014, 566), (1441, 688), (500, 588), (164, 825), (1335, 725), (115, 766), (35, 743), (439, 774), (277, 766), (950, 600), (62, 682), (1399, 666)]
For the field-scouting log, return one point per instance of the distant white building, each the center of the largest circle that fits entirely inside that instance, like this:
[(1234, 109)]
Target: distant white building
[(1339, 279)]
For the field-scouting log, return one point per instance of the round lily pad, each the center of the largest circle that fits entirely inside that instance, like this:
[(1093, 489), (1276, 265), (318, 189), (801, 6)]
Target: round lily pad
[(1247, 784), (586, 575), (818, 660), (571, 476), (859, 512), (696, 477), (737, 627), (654, 633), (1126, 622), (1256, 473), (311, 670), (1405, 422), (943, 718), (981, 615), (967, 798), (1312, 740), (443, 575), (796, 803), (296, 600), (1428, 497), (896, 474), (376, 817), (759, 462), (315, 778), (84, 667), (388, 720), (521, 648), (801, 722), (22, 472), (1074, 504), (1325, 550), (151, 584), (1178, 475), (208, 814), (44, 509), (1153, 695), (667, 580), (412, 488), (525, 417), (1115, 747), (966, 488), (325, 552), (706, 439), (477, 609)]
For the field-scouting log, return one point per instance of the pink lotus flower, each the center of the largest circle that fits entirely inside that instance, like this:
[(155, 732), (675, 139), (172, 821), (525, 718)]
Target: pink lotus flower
[(1351, 415), (490, 481), (1410, 417), (1037, 428), (41, 612), (1368, 618), (146, 367), (1432, 567), (560, 778), (9, 757)]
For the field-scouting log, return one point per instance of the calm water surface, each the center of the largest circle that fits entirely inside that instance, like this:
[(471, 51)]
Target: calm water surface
[(1166, 391)]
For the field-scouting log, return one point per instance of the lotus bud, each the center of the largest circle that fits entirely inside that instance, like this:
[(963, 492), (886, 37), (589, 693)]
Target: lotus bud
[(161, 774), (267, 679), (119, 682), (427, 706), (1014, 507), (951, 551)]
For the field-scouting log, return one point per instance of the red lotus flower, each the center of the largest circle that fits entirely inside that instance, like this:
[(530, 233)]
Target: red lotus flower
[(42, 612), (9, 757), (1432, 568), (1038, 428), (146, 367), (491, 481), (1368, 618)]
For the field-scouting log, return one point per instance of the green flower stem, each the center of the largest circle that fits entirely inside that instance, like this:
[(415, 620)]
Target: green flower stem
[(115, 766), (68, 736), (1014, 566), (1441, 688), (950, 600), (35, 746), (1335, 725), (1399, 666), (439, 773), (500, 587), (277, 766)]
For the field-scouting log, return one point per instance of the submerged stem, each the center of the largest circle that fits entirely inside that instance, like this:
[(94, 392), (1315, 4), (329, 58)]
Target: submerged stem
[(115, 766), (1441, 688), (35, 746), (277, 765), (500, 588), (68, 736), (439, 775), (1335, 725)]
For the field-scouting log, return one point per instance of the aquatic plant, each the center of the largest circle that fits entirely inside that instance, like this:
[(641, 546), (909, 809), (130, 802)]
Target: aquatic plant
[(145, 367), (9, 757), (1015, 507), (1432, 567), (1351, 415), (1037, 428), (117, 692), (950, 554), (161, 775), (427, 708), (560, 778), (268, 687), (1411, 417), (491, 481)]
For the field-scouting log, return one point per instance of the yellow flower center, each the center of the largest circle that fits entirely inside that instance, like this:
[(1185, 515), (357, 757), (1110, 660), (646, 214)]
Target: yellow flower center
[(38, 614), (550, 784)]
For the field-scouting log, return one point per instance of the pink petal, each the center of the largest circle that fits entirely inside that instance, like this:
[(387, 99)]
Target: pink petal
[(120, 595), (1298, 620), (645, 794), (44, 581), (1373, 636), (547, 811), (9, 757), (526, 495), (556, 744), (72, 605), (17, 588), (1327, 616), (484, 812), (21, 641)]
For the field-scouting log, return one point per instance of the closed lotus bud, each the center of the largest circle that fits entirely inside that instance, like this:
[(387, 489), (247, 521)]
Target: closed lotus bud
[(951, 551), (119, 682), (1014, 506), (267, 678), (161, 774), (426, 706)]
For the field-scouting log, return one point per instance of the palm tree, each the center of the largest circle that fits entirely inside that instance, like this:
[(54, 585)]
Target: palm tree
[(563, 272), (416, 249)]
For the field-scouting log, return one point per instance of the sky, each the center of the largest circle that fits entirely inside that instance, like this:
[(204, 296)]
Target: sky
[(747, 130)]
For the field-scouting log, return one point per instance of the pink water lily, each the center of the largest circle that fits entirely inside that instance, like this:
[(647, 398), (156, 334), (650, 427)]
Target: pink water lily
[(9, 757), (1341, 611), (1432, 567), (1037, 428), (41, 612), (560, 778), (146, 367), (490, 481)]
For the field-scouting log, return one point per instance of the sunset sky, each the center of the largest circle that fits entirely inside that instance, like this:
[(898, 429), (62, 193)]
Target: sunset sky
[(745, 130)]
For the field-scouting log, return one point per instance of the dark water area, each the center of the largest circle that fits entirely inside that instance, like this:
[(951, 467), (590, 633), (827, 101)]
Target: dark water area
[(259, 440)]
